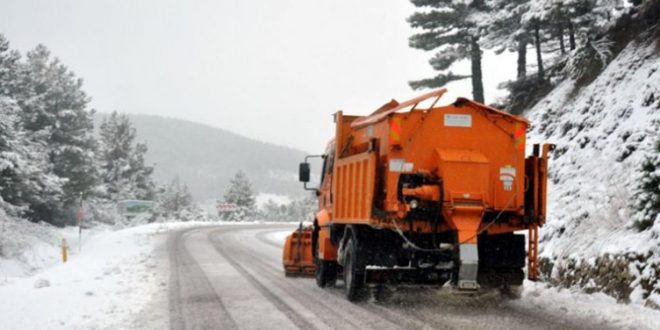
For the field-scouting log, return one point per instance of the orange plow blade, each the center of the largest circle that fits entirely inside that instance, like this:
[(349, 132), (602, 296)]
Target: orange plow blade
[(298, 258)]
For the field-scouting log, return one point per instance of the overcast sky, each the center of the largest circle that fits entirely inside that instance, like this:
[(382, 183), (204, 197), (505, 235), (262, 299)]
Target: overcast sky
[(273, 70)]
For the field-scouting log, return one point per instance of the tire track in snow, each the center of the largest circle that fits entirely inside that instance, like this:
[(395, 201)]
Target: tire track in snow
[(423, 308), (262, 236), (294, 316), (254, 259), (193, 303), (328, 303)]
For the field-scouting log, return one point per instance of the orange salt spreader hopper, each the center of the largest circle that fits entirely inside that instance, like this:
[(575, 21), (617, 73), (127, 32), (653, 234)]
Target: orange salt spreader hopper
[(426, 194)]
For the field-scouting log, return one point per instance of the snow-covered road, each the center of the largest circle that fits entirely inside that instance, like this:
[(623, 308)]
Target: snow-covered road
[(231, 277), (204, 276)]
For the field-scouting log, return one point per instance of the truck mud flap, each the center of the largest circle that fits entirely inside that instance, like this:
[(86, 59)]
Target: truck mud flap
[(497, 278), (407, 276)]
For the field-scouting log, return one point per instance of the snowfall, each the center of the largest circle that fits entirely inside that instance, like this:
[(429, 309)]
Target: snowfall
[(118, 277)]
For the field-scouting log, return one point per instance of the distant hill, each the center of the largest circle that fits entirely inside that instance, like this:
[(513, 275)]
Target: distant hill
[(206, 157)]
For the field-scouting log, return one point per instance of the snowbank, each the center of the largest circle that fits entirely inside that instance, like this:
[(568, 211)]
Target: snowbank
[(26, 247), (600, 308), (603, 131), (117, 280)]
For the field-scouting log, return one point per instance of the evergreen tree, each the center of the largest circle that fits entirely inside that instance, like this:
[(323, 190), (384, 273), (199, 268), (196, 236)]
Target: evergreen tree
[(54, 111), (451, 28), (240, 191), (144, 186), (122, 162), (26, 187), (47, 147), (505, 30), (240, 194), (647, 199), (175, 198), (9, 62), (558, 18), (273, 211)]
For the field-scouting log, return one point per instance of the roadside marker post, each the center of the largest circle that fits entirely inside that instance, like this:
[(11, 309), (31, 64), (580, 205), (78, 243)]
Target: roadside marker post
[(65, 253)]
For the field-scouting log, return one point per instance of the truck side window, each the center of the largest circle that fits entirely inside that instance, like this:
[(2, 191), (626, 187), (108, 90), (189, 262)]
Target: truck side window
[(331, 161), (328, 162)]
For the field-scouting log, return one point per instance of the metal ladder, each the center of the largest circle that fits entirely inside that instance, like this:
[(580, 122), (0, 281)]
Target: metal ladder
[(533, 253)]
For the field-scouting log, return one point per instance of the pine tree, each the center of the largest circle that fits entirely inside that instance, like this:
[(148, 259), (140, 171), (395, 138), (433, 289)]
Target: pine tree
[(240, 194), (26, 187), (451, 28), (54, 111), (558, 17), (273, 211), (175, 198), (9, 62), (504, 30), (122, 161), (647, 198), (240, 191), (144, 186)]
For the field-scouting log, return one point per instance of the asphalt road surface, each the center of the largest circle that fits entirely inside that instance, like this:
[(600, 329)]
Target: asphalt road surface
[(231, 277)]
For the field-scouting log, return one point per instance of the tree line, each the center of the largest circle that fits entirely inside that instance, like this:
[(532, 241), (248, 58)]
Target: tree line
[(50, 158), (241, 195), (456, 30)]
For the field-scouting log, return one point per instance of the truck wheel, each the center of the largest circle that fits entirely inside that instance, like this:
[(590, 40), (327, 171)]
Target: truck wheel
[(354, 277), (326, 271)]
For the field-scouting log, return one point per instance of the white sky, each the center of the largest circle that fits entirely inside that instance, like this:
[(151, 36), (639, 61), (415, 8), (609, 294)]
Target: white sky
[(274, 70)]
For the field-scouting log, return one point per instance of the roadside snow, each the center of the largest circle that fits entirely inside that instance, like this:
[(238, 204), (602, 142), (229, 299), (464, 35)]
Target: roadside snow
[(27, 247), (599, 307), (115, 276), (278, 236), (119, 279)]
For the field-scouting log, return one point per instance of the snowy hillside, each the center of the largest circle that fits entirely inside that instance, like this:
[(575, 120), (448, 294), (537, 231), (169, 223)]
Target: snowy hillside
[(604, 132), (205, 157)]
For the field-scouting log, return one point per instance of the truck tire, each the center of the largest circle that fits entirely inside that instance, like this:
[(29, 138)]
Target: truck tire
[(326, 271), (354, 273)]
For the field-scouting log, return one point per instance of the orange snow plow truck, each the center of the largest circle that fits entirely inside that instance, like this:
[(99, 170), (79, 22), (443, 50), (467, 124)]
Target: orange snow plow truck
[(424, 195)]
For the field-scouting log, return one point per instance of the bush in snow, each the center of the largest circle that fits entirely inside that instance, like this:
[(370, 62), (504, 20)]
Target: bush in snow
[(173, 200), (298, 210), (647, 201)]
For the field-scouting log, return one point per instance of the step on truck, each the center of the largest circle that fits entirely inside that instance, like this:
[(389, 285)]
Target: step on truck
[(424, 195)]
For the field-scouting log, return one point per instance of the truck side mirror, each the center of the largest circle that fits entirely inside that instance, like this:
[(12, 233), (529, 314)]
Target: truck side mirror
[(303, 173)]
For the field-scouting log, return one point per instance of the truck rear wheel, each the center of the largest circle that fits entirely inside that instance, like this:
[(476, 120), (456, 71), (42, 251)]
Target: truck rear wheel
[(354, 273)]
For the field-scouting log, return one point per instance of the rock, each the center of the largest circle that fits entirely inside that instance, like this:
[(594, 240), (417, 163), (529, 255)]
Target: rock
[(41, 283), (651, 304)]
